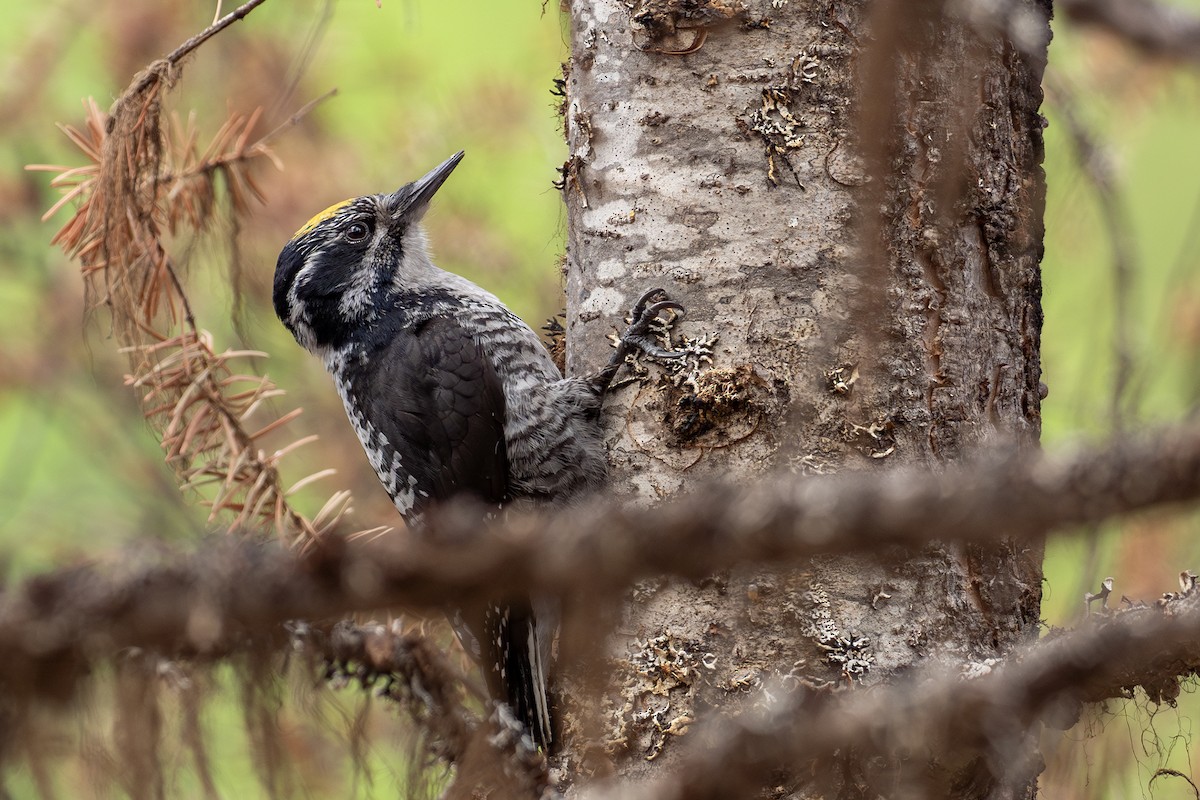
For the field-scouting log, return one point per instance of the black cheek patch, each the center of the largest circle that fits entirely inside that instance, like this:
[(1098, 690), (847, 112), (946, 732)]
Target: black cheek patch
[(325, 321), (332, 269), (326, 279)]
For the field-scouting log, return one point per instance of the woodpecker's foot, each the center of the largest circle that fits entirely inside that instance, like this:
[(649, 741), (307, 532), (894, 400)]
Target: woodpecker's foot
[(646, 325), (645, 317)]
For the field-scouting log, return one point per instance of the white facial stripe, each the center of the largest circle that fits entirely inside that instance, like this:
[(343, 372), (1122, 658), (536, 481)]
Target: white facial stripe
[(297, 320), (304, 274), (356, 300)]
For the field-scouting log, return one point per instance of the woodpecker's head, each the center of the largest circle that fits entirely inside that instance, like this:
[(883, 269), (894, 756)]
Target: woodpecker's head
[(344, 267)]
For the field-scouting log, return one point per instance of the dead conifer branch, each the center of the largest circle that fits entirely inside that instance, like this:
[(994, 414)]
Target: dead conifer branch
[(146, 176), (296, 117), (193, 396), (188, 173)]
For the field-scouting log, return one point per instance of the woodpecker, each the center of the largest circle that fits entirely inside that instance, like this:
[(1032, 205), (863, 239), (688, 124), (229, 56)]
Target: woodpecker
[(451, 394)]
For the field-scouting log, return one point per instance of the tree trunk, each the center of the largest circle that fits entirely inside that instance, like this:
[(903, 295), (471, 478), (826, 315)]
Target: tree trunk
[(871, 305)]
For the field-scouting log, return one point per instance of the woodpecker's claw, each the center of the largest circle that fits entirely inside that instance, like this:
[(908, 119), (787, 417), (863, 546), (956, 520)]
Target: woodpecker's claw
[(661, 306), (639, 308)]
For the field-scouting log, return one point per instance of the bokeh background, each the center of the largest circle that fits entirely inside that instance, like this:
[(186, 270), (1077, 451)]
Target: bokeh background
[(82, 476)]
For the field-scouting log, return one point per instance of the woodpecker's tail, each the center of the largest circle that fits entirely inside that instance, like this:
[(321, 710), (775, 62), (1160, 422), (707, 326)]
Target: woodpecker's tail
[(520, 668)]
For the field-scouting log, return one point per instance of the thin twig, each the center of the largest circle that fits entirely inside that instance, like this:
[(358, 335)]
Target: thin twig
[(295, 118), (182, 51), (1097, 168)]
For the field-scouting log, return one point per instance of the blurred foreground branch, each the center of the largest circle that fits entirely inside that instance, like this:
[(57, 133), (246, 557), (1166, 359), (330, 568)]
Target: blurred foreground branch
[(52, 626), (1153, 27), (977, 709)]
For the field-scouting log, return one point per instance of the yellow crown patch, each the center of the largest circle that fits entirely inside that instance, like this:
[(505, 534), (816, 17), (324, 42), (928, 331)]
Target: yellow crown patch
[(324, 215)]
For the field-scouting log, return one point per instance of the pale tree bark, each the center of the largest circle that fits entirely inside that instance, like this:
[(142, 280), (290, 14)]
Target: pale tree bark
[(874, 299)]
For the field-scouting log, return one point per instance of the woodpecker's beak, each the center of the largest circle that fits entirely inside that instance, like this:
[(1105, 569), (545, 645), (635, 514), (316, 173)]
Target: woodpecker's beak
[(412, 200)]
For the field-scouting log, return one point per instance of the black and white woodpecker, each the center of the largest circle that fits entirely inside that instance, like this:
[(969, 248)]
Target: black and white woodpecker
[(450, 394)]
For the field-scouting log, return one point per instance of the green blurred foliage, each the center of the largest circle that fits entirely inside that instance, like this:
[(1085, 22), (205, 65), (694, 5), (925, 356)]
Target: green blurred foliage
[(81, 474), (1145, 115)]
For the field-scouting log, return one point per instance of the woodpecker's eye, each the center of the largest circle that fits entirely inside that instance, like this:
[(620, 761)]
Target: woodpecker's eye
[(357, 232)]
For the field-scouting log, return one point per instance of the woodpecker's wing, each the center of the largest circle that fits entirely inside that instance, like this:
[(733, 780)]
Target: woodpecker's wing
[(437, 401)]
